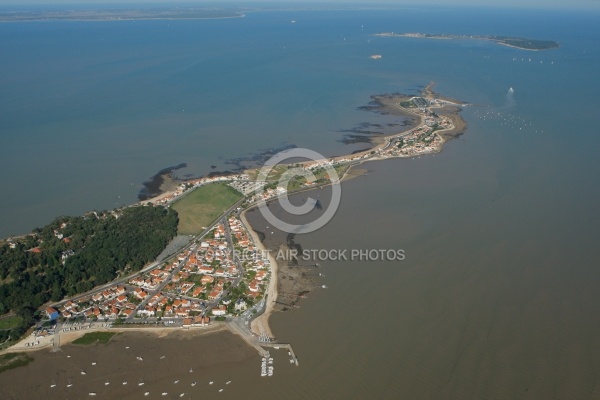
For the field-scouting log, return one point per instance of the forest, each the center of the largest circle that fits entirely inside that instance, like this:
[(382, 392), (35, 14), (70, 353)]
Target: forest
[(72, 255)]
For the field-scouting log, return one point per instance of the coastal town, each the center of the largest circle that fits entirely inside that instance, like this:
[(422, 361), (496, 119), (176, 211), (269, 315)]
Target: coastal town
[(224, 275)]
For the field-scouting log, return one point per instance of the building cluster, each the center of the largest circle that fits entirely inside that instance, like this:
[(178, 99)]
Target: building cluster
[(204, 279)]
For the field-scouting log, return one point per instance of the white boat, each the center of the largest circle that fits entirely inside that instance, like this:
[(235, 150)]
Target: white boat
[(141, 383), (69, 384), (164, 393), (182, 394), (82, 372), (162, 357), (140, 358), (228, 382), (93, 363), (210, 383), (220, 390), (125, 383), (92, 393), (106, 383), (177, 381), (191, 370), (53, 384), (194, 383), (146, 394)]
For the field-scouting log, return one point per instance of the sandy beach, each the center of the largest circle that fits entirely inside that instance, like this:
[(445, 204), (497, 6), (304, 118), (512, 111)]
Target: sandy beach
[(64, 338), (260, 325)]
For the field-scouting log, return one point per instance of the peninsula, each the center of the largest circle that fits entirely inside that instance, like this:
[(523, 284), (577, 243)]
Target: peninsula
[(516, 42), (222, 276)]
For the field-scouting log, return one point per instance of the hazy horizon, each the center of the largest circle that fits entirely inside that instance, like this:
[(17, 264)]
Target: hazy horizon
[(541, 4)]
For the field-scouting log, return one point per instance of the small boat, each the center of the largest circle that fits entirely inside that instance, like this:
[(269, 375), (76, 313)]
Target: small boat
[(126, 347), (182, 394), (220, 390), (125, 383), (106, 383), (177, 381), (194, 383), (191, 370), (162, 357), (141, 383), (83, 372), (228, 382), (146, 394), (164, 393), (69, 384), (92, 393), (53, 384), (94, 363), (140, 358), (210, 383)]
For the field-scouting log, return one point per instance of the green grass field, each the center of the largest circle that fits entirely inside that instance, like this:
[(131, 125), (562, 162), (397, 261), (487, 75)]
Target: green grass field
[(9, 323), (201, 207), (93, 337)]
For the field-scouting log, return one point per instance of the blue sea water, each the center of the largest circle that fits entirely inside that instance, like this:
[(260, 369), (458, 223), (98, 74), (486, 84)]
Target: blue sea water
[(90, 110)]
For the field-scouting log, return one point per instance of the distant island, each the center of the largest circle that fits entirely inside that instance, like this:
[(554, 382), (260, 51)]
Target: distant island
[(517, 42), (118, 14)]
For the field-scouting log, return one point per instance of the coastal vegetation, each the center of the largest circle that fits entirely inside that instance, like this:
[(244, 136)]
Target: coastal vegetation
[(201, 207), (13, 360), (72, 255), (94, 337), (10, 323)]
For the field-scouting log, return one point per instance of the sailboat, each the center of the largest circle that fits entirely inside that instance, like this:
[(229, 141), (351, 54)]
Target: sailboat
[(69, 384), (141, 382), (53, 384)]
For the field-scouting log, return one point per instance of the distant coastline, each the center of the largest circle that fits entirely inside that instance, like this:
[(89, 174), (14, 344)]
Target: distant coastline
[(119, 15), (516, 42)]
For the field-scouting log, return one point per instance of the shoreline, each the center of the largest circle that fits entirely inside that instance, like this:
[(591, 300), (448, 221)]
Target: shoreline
[(385, 147), (64, 338), (260, 325)]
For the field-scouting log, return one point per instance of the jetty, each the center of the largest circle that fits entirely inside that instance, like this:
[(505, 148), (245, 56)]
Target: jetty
[(285, 346)]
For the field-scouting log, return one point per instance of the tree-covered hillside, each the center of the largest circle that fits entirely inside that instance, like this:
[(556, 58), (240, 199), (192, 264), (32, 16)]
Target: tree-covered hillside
[(73, 254)]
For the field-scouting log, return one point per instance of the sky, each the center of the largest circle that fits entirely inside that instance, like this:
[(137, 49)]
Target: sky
[(542, 4)]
